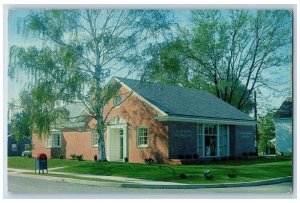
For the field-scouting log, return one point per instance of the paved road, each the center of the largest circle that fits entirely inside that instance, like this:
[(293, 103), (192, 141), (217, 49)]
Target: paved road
[(28, 187)]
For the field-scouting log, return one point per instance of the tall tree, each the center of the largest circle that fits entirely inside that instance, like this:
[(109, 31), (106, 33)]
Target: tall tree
[(266, 131), (228, 51), (80, 50)]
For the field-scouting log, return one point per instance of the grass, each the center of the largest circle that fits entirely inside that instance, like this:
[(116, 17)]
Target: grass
[(28, 163), (245, 170)]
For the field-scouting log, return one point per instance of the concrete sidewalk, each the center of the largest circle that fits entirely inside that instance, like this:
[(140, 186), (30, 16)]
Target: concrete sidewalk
[(101, 177), (138, 183)]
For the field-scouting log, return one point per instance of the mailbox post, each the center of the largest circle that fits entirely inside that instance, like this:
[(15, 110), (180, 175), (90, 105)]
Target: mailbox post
[(41, 163)]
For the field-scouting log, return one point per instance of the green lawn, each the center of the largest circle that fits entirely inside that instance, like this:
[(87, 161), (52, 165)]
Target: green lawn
[(28, 163), (246, 170)]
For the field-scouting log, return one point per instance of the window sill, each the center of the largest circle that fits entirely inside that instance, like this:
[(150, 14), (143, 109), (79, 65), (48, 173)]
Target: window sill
[(53, 147), (142, 146), (94, 146)]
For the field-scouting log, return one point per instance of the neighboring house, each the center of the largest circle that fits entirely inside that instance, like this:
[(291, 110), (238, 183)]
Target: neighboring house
[(15, 148), (163, 122), (284, 127)]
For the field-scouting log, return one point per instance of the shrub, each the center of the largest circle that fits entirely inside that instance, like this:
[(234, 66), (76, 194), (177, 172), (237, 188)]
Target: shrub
[(79, 157), (207, 174), (183, 176), (95, 157), (29, 155), (149, 161), (188, 156), (73, 156), (245, 154), (231, 174), (195, 156), (62, 156), (126, 159)]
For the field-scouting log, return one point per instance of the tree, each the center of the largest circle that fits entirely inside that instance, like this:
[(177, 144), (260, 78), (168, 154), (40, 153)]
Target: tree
[(266, 131), (227, 52), (20, 126), (80, 50)]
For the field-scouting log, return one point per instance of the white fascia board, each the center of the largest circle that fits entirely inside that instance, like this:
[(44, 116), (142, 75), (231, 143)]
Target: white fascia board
[(206, 120), (142, 98)]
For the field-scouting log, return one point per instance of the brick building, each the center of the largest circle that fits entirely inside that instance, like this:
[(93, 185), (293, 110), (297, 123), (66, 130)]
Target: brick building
[(163, 122)]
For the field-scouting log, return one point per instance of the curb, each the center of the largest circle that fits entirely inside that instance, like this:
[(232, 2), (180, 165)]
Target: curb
[(157, 186), (225, 185)]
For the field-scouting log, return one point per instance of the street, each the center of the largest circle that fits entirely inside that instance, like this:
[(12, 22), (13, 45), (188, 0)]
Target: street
[(28, 187)]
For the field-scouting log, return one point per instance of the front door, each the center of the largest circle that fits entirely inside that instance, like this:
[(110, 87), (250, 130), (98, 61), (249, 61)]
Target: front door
[(210, 134)]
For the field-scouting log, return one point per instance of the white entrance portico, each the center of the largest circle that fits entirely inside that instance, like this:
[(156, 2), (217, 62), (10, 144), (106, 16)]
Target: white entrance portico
[(117, 140)]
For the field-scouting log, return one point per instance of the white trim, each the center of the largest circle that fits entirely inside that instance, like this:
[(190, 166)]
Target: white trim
[(206, 120), (228, 140), (137, 137), (52, 132), (218, 140), (142, 98), (108, 143), (203, 140)]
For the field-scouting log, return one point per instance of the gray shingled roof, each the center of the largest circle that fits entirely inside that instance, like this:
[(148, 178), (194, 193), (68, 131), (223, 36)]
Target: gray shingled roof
[(180, 101), (286, 109)]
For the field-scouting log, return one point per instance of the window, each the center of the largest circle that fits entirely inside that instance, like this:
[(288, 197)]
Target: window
[(94, 139), (223, 140), (54, 139), (200, 139), (117, 100), (142, 137), (14, 147), (210, 140)]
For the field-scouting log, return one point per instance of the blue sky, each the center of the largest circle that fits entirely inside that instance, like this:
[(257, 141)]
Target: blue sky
[(16, 37)]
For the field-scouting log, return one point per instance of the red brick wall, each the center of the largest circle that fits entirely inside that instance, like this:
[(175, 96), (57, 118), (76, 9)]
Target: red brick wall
[(39, 146), (80, 143), (137, 113), (71, 143)]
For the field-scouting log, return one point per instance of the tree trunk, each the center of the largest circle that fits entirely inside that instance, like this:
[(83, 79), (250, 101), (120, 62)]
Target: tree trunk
[(101, 143)]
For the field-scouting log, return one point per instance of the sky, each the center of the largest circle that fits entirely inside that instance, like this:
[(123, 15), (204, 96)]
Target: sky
[(16, 37)]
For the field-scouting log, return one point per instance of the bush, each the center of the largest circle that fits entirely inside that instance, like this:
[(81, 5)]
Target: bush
[(183, 176), (126, 159), (196, 156), (73, 156), (149, 161), (79, 157), (231, 174), (207, 174), (29, 155), (95, 157), (244, 154), (62, 156), (188, 156)]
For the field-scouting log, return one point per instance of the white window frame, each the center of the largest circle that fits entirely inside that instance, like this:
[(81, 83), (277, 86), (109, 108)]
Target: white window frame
[(95, 139), (14, 149), (51, 139), (201, 135), (117, 100), (139, 136)]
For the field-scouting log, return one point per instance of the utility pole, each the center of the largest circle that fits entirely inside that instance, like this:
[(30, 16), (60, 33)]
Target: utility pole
[(256, 127)]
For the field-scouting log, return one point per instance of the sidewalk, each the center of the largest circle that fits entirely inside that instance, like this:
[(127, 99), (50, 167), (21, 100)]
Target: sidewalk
[(109, 178), (137, 183)]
